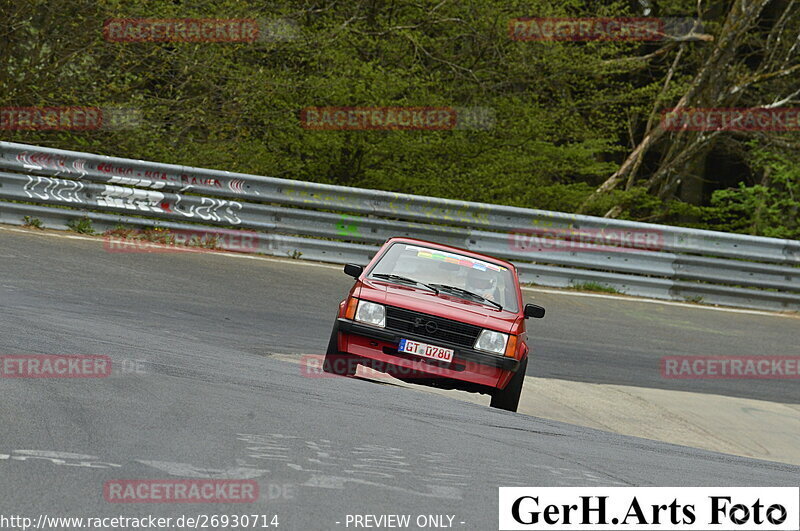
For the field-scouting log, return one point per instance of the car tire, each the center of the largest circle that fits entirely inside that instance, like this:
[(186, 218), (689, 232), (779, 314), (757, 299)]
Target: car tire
[(508, 398), (339, 363)]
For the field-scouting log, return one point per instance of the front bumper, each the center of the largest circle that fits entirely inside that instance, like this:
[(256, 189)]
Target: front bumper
[(380, 344)]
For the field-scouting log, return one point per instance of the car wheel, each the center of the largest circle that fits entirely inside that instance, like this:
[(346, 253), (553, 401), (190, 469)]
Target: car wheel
[(339, 363), (508, 398)]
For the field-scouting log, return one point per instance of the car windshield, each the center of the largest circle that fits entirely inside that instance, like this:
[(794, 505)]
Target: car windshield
[(448, 273)]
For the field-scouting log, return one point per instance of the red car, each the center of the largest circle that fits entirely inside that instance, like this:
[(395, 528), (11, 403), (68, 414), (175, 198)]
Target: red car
[(435, 315)]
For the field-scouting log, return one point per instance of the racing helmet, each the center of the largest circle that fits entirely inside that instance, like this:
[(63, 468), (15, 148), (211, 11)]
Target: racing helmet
[(481, 282)]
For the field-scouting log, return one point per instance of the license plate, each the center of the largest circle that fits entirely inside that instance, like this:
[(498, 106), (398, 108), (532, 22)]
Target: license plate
[(425, 350)]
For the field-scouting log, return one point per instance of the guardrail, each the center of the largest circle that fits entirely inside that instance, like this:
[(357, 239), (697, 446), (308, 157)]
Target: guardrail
[(340, 224)]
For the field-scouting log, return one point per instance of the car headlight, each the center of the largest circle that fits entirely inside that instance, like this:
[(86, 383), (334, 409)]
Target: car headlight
[(491, 341), (371, 313)]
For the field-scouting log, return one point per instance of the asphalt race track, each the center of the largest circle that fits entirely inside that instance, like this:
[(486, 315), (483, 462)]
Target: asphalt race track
[(197, 392)]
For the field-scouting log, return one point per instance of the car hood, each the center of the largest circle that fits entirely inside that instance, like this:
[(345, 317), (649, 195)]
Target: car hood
[(441, 305)]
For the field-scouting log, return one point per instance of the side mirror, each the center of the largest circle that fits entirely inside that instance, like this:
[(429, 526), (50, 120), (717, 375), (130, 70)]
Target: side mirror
[(353, 270), (534, 310)]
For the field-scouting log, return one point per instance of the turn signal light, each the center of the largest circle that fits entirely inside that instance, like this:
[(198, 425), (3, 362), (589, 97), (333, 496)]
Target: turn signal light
[(350, 311), (511, 347)]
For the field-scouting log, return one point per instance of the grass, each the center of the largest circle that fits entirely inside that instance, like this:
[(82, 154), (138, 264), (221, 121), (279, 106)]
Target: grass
[(82, 225), (163, 236), (156, 235), (36, 223), (594, 286), (121, 232), (207, 242)]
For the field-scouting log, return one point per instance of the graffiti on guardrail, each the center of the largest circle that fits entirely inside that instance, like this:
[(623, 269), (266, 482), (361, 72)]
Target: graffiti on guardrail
[(130, 198), (105, 167), (236, 185), (209, 209), (345, 227), (133, 181), (52, 189), (34, 161), (132, 176), (118, 173)]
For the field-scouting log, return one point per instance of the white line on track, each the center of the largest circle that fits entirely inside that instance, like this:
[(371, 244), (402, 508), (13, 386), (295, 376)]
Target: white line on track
[(525, 288)]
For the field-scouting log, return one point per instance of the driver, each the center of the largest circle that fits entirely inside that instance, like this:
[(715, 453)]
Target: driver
[(481, 282)]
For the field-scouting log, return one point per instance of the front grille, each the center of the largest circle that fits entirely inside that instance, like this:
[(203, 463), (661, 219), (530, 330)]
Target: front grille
[(430, 326)]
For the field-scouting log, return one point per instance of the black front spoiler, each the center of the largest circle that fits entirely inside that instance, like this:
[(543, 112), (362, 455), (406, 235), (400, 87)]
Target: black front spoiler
[(390, 336)]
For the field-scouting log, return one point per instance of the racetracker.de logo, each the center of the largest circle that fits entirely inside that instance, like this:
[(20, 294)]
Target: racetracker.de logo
[(730, 367), (649, 508), (180, 491), (586, 29), (179, 240), (181, 30), (722, 119), (68, 118), (54, 366), (354, 118), (311, 366), (585, 240), (397, 118)]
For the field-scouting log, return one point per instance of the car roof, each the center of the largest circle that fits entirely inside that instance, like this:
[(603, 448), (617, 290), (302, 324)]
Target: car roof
[(443, 247)]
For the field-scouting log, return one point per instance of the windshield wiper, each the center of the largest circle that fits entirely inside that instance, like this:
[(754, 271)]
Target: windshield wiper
[(468, 293), (404, 279)]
